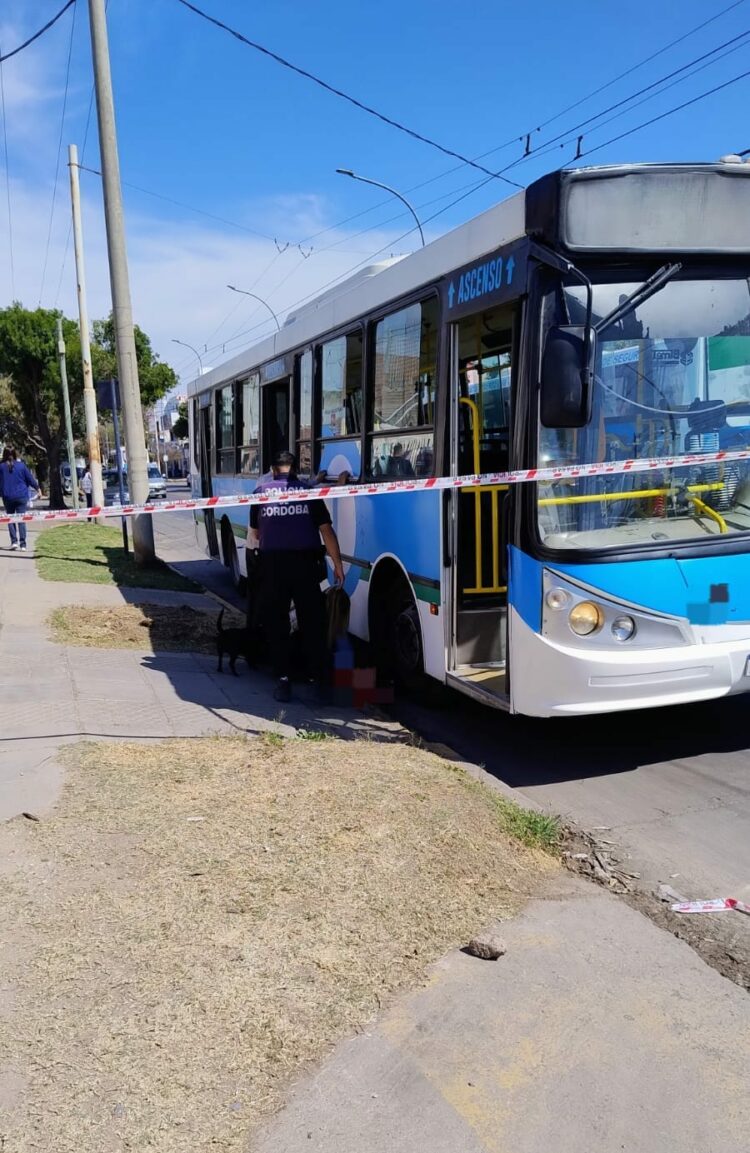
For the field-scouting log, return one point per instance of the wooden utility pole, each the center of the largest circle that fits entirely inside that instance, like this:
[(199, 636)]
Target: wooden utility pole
[(66, 409), (93, 451), (127, 367)]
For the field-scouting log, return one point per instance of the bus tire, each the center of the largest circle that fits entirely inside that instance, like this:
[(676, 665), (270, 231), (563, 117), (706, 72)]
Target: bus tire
[(231, 558), (396, 632)]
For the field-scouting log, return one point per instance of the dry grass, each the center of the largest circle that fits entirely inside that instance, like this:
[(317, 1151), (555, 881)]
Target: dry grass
[(201, 919), (164, 628)]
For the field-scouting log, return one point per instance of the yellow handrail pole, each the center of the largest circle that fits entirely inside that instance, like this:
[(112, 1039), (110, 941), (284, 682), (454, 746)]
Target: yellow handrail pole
[(709, 512), (478, 496), (627, 494)]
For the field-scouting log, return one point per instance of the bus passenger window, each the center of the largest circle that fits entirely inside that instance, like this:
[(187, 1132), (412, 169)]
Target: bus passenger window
[(250, 429), (403, 392), (226, 451), (304, 385), (342, 386)]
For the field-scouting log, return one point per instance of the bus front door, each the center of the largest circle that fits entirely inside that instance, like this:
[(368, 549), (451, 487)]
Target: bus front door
[(481, 375)]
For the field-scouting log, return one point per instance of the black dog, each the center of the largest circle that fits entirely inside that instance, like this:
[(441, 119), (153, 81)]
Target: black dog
[(234, 643)]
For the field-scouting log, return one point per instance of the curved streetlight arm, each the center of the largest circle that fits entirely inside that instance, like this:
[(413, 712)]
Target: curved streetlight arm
[(185, 344), (260, 301), (386, 188)]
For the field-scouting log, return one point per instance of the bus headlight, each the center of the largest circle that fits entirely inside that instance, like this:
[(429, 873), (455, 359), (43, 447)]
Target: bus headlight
[(623, 628), (557, 599), (585, 618)]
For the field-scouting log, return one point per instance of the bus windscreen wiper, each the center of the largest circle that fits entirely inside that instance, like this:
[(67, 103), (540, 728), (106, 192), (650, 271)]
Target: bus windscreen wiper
[(639, 295)]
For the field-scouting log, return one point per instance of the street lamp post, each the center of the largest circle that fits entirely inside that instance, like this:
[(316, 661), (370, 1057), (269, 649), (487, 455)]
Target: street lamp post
[(260, 300), (386, 188), (185, 344)]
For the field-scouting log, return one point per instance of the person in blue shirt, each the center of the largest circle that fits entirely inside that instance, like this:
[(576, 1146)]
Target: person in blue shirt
[(289, 538), (15, 482)]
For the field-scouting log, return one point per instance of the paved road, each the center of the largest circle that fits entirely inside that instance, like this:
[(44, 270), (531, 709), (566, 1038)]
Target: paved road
[(672, 785)]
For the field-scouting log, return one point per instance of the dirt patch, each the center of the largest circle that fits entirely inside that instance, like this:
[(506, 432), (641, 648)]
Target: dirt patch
[(165, 628), (722, 940), (217, 912)]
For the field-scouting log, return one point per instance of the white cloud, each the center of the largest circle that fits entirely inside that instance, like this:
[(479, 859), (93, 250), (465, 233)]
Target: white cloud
[(178, 270), (179, 265)]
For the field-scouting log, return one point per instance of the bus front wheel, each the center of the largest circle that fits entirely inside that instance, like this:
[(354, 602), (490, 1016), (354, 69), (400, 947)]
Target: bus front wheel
[(396, 634)]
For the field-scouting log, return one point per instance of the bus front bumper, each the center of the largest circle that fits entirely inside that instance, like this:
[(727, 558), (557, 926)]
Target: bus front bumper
[(549, 680)]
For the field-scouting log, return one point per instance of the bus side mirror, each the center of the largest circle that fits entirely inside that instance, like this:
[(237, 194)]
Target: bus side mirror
[(567, 375)]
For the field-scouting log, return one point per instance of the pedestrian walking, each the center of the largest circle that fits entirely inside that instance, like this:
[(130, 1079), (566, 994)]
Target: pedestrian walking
[(15, 482), (87, 487), (291, 570)]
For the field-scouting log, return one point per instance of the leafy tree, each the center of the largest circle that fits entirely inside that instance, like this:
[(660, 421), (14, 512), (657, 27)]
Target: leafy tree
[(31, 408), (155, 377), (28, 356), (180, 426)]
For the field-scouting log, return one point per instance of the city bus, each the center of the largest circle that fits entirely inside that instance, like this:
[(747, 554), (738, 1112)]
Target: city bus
[(600, 315)]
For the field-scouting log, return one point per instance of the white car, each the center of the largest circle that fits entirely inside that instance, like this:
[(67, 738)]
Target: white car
[(157, 485)]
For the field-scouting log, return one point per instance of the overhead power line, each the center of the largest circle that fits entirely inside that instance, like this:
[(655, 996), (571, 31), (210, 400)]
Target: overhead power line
[(735, 40), (41, 32), (182, 204), (620, 76), (525, 135), (669, 112), (57, 161), (390, 245), (340, 93), (571, 137)]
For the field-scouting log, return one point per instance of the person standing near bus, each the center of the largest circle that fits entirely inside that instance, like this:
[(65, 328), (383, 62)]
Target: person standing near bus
[(15, 482), (289, 538), (87, 487)]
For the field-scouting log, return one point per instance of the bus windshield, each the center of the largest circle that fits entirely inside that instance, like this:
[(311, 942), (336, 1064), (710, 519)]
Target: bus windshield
[(671, 377)]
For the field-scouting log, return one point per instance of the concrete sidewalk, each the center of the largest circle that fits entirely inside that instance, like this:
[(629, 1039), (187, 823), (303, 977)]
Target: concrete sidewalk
[(597, 1030), (55, 694)]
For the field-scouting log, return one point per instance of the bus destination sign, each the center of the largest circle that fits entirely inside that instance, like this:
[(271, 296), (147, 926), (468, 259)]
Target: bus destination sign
[(500, 276)]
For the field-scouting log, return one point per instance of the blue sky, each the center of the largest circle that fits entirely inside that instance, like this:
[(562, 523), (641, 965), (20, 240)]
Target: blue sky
[(206, 121)]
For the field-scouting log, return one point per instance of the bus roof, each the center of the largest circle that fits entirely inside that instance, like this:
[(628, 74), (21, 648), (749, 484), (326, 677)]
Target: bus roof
[(377, 285)]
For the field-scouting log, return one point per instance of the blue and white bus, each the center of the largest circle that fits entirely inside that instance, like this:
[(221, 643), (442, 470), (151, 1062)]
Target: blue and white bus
[(602, 314)]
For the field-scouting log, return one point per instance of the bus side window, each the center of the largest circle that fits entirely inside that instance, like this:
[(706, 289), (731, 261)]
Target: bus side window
[(403, 375)]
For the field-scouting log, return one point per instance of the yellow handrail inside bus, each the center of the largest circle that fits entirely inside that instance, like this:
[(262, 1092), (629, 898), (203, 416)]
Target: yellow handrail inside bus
[(477, 490), (626, 494), (710, 512)]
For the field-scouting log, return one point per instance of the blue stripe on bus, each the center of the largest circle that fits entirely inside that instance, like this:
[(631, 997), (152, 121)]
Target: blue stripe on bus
[(525, 587), (704, 590)]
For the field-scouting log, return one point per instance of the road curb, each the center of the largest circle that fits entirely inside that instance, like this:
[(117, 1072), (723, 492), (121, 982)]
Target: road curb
[(479, 774)]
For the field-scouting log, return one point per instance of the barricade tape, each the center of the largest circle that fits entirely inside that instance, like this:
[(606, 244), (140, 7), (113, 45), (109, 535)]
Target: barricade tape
[(386, 488)]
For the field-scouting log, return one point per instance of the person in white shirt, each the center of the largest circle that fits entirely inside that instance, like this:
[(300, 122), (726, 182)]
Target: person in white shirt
[(87, 487)]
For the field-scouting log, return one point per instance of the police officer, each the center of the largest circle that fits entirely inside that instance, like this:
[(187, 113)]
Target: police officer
[(289, 538)]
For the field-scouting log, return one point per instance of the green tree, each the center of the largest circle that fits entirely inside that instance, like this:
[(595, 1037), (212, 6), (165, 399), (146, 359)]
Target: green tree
[(180, 426), (28, 357), (33, 413), (155, 377)]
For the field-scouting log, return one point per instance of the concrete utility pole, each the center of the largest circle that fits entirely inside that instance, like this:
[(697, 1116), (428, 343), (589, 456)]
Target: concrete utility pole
[(66, 407), (93, 452), (127, 368)]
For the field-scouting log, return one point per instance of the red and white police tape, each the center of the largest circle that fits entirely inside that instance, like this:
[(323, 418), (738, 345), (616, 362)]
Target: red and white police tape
[(386, 488)]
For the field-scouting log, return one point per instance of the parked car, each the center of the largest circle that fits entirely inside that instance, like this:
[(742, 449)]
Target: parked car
[(65, 476), (157, 485)]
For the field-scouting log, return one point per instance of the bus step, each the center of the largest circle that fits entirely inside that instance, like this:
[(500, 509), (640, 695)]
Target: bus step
[(485, 683)]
